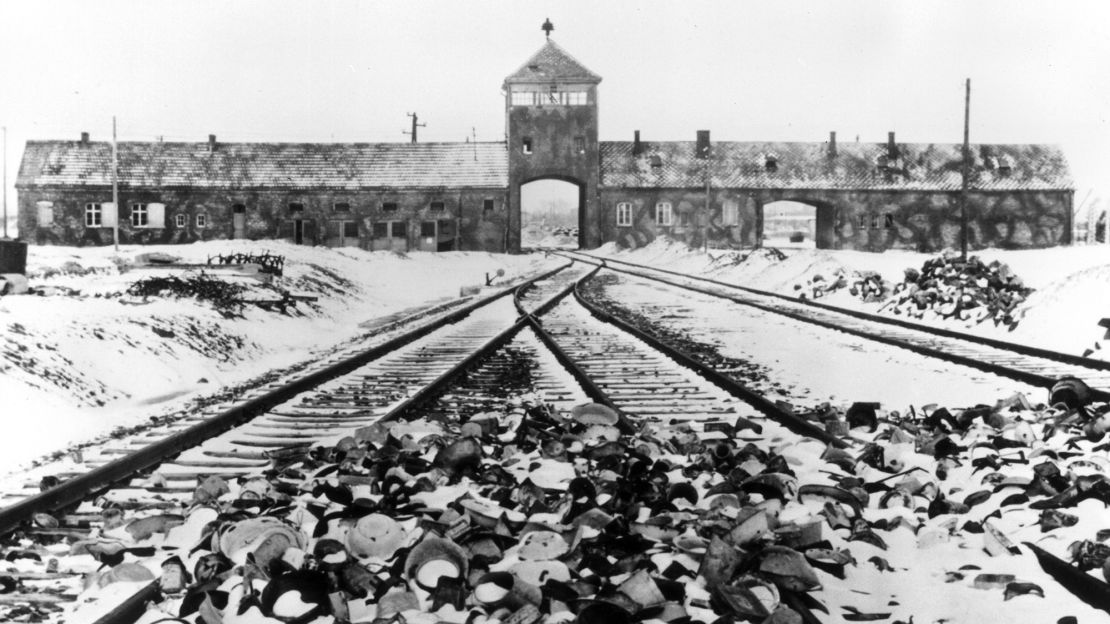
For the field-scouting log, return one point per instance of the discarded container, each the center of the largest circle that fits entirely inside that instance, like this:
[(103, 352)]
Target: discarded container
[(13, 257), (1071, 391)]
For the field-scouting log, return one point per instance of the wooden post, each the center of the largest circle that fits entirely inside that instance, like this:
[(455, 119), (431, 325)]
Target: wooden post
[(4, 183), (115, 187), (966, 173)]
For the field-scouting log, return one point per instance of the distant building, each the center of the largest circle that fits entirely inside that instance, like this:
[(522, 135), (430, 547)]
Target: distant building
[(467, 196)]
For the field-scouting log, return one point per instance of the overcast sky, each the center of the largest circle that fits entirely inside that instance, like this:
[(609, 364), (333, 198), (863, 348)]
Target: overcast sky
[(341, 70)]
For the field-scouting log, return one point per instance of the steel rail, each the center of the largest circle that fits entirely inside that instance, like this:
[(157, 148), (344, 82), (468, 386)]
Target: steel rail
[(1027, 377), (79, 488), (789, 420), (132, 608), (1047, 354)]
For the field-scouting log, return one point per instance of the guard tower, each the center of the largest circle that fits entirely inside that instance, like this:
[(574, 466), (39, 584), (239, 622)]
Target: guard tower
[(551, 129)]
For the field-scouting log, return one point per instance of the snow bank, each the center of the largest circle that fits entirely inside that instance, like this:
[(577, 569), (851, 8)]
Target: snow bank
[(1070, 296), (86, 362)]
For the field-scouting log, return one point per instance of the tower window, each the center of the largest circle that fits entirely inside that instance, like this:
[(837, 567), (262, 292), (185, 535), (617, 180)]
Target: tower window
[(580, 145), (437, 206), (487, 206), (526, 145), (624, 214)]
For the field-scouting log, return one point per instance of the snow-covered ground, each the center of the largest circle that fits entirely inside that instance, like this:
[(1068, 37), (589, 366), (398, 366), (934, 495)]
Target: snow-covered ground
[(89, 358), (1071, 293)]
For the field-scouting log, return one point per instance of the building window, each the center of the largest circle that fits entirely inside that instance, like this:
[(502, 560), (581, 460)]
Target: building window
[(487, 206), (179, 220), (93, 214), (550, 97), (389, 206), (730, 214), (239, 209), (202, 220), (45, 212), (428, 228), (771, 163), (875, 221), (526, 145), (342, 207), (138, 215), (296, 207), (437, 206), (663, 214), (863, 221), (624, 214), (888, 221), (350, 229), (684, 219), (580, 145)]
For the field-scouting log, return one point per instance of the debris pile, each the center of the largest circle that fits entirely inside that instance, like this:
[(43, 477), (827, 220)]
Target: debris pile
[(530, 515), (269, 263), (223, 295), (973, 291)]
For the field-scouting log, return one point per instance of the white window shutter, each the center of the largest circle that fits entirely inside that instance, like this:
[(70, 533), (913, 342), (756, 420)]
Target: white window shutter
[(109, 214), (156, 215), (46, 212)]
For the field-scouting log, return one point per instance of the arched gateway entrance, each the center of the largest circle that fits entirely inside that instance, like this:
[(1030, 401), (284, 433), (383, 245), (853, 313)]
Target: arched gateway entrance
[(799, 224), (551, 214)]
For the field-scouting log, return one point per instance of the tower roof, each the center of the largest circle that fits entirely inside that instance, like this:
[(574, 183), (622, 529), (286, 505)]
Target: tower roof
[(552, 63)]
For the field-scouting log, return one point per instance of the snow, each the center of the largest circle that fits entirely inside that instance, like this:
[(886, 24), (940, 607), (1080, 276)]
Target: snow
[(74, 367), (1062, 314)]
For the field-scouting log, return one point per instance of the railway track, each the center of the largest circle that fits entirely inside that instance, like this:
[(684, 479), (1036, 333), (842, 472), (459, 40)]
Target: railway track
[(1035, 366), (542, 342)]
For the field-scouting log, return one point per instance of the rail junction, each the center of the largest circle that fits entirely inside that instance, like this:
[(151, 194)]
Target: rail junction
[(547, 340)]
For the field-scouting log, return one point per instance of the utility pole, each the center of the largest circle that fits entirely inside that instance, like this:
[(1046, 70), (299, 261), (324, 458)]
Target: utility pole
[(4, 184), (966, 173), (708, 206), (415, 125), (115, 188)]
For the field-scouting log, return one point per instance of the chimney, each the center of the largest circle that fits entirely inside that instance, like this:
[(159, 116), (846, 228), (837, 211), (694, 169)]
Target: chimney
[(832, 144), (891, 148), (703, 144), (211, 142), (636, 147), (84, 138)]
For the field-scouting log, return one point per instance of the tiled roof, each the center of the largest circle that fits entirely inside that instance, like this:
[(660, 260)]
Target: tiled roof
[(267, 165), (918, 166), (552, 63)]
